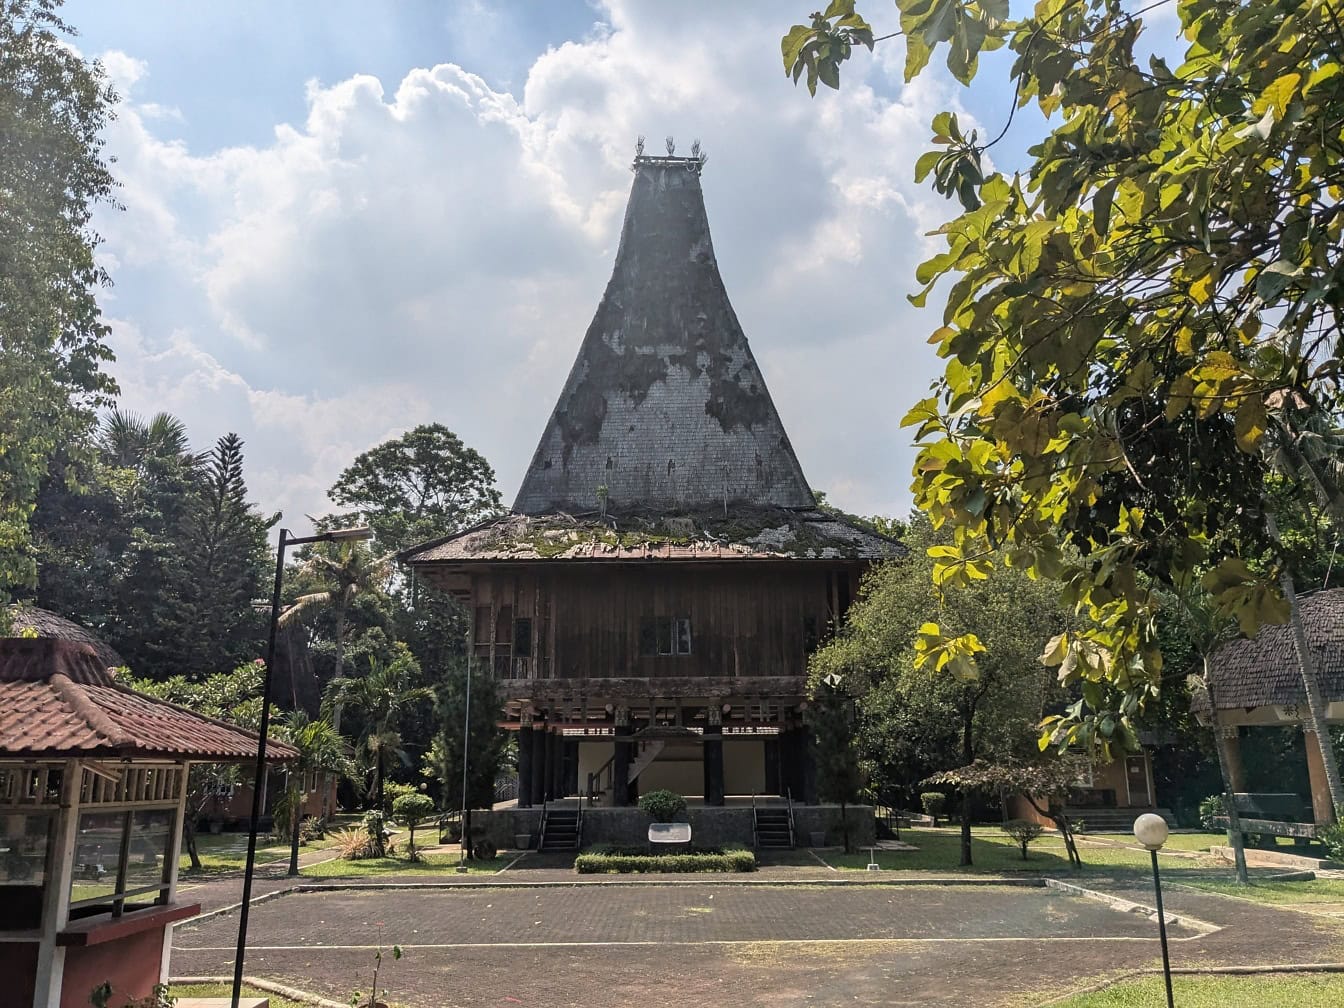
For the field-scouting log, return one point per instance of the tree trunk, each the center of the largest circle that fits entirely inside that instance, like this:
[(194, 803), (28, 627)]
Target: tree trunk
[(189, 840), (295, 810), (968, 757), (1307, 670), (340, 665), (1062, 824), (844, 826), (466, 832), (1235, 838)]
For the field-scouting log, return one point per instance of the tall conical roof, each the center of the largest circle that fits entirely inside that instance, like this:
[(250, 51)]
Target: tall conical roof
[(665, 406)]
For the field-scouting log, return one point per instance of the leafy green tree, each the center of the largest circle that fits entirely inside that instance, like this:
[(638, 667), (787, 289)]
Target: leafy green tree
[(991, 706), (343, 571), (382, 697), (1140, 327), (419, 486), (831, 718), (485, 742), (321, 749), (160, 551), (53, 108)]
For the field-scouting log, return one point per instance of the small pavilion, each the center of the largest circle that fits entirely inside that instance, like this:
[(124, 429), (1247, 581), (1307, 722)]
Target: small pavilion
[(93, 786), (1256, 683)]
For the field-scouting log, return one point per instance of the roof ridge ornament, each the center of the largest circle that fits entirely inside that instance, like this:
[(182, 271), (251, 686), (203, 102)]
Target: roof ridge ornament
[(694, 164)]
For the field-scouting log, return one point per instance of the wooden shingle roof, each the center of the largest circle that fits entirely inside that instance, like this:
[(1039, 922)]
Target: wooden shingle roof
[(45, 623), (665, 406), (1262, 671), (57, 700)]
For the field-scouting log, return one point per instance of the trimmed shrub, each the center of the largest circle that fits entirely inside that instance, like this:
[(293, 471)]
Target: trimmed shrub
[(663, 806), (933, 803), (413, 809), (618, 862), (1210, 807), (1332, 836), (1023, 832), (484, 850)]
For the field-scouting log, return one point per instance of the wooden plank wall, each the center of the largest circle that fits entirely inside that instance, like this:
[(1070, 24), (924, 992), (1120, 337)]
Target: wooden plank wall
[(586, 620)]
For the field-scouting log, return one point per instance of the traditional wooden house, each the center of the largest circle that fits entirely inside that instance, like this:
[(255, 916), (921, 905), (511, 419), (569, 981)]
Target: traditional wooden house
[(649, 603)]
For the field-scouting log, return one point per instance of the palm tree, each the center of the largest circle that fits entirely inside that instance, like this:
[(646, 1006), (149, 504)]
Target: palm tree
[(128, 440), (350, 569), (381, 695), (321, 749)]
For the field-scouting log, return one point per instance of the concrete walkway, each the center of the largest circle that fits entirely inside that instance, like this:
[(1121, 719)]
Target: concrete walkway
[(540, 935)]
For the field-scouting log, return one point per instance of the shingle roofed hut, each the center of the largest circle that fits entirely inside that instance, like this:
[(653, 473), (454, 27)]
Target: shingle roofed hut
[(1257, 683)]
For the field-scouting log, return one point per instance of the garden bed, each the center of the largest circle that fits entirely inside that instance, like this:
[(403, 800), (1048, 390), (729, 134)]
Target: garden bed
[(632, 860)]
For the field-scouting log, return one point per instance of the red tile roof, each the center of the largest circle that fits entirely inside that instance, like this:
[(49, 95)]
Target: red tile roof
[(57, 700)]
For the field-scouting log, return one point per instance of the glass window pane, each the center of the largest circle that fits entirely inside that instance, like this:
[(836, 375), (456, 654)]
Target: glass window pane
[(151, 841), (683, 642), (664, 637), (25, 840), (97, 855)]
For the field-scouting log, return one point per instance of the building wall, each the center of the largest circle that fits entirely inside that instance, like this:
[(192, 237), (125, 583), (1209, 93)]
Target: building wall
[(131, 965), (18, 971), (680, 766), (585, 621)]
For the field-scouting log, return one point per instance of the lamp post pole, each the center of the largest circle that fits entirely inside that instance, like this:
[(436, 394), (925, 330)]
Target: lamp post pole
[(1151, 831), (259, 779), (466, 742)]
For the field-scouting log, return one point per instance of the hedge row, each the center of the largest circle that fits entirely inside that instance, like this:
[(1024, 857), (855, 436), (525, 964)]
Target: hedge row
[(694, 861)]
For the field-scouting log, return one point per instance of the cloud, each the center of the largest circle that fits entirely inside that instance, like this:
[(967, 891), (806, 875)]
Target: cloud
[(433, 249)]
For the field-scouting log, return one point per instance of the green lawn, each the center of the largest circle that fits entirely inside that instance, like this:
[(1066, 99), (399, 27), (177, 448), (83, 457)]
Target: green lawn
[(994, 851), (1282, 893), (224, 852), (218, 990), (1304, 990), (431, 864)]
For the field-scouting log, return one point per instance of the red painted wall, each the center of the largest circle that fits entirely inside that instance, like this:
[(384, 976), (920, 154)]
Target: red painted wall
[(18, 972), (130, 965)]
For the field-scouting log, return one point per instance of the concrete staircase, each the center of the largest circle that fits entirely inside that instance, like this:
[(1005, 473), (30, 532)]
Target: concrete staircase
[(560, 829), (773, 828), (1114, 820)]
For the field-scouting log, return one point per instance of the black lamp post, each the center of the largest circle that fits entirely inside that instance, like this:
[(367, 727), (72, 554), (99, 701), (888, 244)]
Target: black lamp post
[(1151, 831), (286, 540)]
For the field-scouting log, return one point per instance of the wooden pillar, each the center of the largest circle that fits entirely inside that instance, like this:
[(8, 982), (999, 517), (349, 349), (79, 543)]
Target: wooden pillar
[(773, 749), (1229, 738), (572, 766), (713, 760), (557, 764), (620, 767), (1320, 787), (525, 757), (538, 762), (807, 756)]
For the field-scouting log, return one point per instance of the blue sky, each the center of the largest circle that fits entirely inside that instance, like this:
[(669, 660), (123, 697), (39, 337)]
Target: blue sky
[(343, 219)]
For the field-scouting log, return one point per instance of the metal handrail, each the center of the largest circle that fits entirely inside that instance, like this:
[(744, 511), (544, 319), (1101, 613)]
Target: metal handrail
[(755, 832), (789, 794), (541, 832), (578, 824)]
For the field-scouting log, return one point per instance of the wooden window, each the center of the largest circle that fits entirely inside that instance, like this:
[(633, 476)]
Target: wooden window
[(522, 638), (481, 634), (665, 635), (811, 637)]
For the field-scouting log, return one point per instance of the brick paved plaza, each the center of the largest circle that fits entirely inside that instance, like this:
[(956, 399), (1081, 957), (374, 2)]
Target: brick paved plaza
[(725, 942)]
